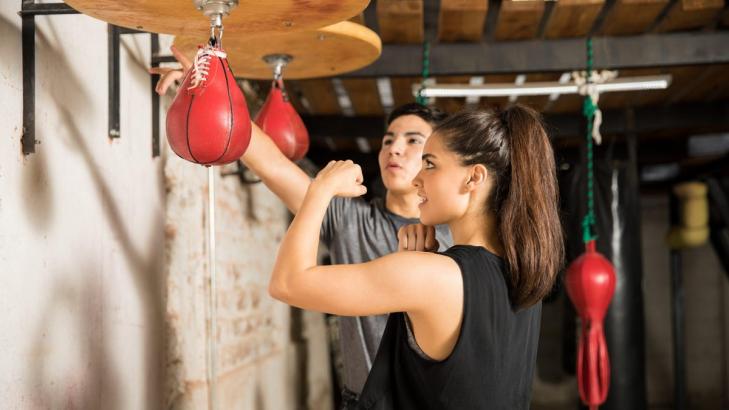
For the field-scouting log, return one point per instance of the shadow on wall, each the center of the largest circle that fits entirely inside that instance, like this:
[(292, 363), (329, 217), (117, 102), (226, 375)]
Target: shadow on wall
[(146, 260), (89, 381)]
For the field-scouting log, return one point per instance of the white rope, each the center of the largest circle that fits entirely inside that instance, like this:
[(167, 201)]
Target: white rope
[(212, 296), (586, 88)]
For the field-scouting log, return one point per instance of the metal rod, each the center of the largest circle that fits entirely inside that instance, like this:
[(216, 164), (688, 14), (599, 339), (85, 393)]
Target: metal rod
[(679, 379), (28, 39), (212, 297), (154, 50), (677, 312), (114, 85)]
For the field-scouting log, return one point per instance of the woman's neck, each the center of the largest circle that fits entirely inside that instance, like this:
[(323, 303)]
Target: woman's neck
[(405, 205), (477, 229)]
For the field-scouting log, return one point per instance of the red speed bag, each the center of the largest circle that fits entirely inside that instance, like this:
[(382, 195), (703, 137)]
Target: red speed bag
[(208, 122), (590, 282), (282, 123)]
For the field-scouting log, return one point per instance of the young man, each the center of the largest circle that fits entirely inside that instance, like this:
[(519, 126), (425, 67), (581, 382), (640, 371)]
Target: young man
[(356, 230)]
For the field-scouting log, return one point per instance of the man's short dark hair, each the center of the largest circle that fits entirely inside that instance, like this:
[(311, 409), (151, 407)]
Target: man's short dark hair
[(431, 115)]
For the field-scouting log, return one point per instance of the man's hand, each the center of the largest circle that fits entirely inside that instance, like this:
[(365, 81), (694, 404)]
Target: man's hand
[(417, 237), (170, 75)]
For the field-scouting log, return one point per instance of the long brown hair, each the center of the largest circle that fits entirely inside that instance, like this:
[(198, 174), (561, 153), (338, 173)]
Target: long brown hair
[(515, 148)]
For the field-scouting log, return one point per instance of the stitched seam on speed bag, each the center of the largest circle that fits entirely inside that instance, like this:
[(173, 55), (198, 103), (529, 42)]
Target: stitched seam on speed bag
[(187, 129), (230, 110)]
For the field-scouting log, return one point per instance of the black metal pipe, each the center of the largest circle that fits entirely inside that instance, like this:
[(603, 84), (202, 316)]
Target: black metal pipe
[(28, 40), (114, 86), (677, 316), (154, 50)]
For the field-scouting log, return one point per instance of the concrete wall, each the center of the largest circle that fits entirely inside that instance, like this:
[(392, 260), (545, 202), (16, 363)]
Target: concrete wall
[(102, 250), (706, 311)]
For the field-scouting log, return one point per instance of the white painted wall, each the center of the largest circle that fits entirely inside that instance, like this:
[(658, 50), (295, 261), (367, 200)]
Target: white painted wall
[(81, 248), (102, 251)]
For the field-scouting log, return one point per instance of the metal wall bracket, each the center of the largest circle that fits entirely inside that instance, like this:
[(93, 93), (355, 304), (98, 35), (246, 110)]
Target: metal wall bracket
[(30, 9)]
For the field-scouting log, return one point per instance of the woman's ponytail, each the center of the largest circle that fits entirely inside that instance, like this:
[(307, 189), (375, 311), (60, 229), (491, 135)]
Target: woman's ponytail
[(514, 146)]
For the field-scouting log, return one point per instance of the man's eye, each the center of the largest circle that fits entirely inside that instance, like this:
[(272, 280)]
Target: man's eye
[(386, 142), (414, 141), (427, 164)]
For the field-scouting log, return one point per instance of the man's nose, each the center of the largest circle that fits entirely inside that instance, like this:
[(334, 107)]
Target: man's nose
[(397, 147)]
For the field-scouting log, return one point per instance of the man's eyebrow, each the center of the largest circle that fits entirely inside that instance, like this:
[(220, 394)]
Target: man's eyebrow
[(415, 133), (407, 134), (428, 156)]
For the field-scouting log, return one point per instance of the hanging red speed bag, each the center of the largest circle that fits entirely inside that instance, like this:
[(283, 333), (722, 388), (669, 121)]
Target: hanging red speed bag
[(590, 283), (282, 123), (208, 122)]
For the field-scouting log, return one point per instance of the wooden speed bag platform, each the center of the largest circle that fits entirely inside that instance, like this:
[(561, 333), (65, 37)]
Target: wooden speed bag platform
[(249, 16), (328, 51)]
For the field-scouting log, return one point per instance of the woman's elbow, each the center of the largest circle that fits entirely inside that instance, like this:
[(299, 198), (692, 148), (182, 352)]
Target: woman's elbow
[(278, 291)]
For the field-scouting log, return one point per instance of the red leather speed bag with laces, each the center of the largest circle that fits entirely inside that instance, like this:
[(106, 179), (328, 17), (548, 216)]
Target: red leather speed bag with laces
[(208, 122), (590, 283), (282, 123)]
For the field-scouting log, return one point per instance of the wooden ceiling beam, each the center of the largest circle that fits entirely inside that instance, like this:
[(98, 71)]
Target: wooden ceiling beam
[(461, 20), (519, 19), (319, 95), (628, 17), (690, 14), (400, 21), (572, 18), (559, 55), (364, 96)]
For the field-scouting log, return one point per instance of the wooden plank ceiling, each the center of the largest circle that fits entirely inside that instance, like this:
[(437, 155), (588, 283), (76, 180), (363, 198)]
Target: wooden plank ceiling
[(404, 22)]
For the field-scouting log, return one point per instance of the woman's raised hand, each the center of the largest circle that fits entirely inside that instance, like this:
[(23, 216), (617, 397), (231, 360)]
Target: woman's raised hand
[(340, 178)]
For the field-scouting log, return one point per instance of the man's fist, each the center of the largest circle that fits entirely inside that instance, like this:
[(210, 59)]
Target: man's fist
[(417, 237)]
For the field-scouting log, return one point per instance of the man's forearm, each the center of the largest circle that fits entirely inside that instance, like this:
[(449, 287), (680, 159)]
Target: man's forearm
[(284, 178)]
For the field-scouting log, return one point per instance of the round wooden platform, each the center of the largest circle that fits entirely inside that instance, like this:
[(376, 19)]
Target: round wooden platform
[(250, 16), (328, 51)]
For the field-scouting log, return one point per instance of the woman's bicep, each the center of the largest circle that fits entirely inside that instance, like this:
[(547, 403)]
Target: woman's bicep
[(399, 282)]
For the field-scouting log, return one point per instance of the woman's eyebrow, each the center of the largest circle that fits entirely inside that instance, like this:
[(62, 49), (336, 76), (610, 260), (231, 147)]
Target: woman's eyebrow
[(428, 156)]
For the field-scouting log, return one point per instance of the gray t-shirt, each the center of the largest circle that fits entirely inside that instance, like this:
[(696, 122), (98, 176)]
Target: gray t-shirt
[(357, 231)]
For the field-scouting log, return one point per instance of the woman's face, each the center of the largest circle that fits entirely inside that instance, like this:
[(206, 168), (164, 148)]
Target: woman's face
[(441, 184)]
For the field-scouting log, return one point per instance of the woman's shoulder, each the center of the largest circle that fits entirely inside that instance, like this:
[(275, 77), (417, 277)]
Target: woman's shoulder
[(472, 253)]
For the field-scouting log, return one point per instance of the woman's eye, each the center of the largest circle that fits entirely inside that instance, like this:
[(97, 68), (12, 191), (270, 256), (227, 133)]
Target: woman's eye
[(386, 142), (414, 141), (427, 164)]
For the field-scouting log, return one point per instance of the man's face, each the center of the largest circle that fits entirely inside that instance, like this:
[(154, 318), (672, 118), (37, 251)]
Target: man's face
[(400, 156)]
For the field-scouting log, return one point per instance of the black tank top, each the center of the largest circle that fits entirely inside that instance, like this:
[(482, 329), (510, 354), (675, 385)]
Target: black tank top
[(491, 365)]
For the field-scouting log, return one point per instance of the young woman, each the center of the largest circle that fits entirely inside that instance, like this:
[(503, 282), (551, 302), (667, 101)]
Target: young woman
[(465, 335)]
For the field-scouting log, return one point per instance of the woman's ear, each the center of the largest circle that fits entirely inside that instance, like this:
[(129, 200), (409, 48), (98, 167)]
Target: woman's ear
[(477, 176)]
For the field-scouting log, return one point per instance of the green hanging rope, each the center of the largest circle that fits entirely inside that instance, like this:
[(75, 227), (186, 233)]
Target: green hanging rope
[(588, 110), (420, 99)]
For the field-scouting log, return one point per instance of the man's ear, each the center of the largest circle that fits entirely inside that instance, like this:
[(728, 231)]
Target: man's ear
[(477, 176)]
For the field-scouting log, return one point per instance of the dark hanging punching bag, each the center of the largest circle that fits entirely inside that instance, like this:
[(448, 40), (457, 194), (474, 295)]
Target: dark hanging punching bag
[(279, 120), (208, 122), (617, 225)]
